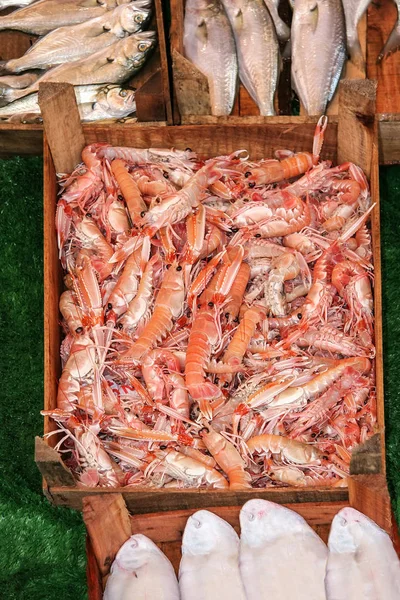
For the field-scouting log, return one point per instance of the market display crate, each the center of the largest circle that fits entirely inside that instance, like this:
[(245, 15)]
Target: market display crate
[(153, 98), (352, 138), (109, 525), (191, 97)]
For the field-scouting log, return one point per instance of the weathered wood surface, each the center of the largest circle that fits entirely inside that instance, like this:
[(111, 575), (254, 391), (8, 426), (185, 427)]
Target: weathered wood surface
[(150, 105), (191, 87), (107, 522), (369, 495), (51, 466), (382, 15), (62, 124)]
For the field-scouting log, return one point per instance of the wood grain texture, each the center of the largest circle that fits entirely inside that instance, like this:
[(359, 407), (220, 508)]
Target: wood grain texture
[(369, 495), (191, 87), (51, 466), (389, 138), (20, 139), (143, 500), (14, 44), (382, 15), (150, 105), (62, 124), (93, 575), (108, 526), (356, 126)]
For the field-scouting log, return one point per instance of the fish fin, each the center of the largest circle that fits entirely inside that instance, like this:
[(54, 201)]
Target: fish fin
[(392, 43), (356, 55)]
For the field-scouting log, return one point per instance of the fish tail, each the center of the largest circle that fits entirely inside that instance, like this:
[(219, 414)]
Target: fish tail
[(8, 95), (356, 54), (392, 44), (3, 68)]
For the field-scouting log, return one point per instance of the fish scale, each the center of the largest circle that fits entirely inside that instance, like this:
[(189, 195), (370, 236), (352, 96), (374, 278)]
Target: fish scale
[(318, 51), (257, 50)]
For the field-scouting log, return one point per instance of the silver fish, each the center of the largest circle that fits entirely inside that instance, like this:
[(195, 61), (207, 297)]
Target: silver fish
[(393, 41), (7, 3), (318, 51), (95, 102), (209, 44), (257, 50), (46, 15), (72, 42), (114, 64), (282, 30), (353, 11)]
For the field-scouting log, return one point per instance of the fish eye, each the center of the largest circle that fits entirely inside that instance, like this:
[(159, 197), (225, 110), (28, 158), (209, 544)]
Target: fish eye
[(197, 523), (138, 19), (251, 517), (123, 93), (142, 47), (134, 544)]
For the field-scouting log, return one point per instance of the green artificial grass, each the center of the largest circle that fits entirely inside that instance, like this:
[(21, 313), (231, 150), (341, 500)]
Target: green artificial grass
[(42, 554)]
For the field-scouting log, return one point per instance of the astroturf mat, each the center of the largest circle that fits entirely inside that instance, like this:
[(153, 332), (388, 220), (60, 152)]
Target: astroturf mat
[(42, 548)]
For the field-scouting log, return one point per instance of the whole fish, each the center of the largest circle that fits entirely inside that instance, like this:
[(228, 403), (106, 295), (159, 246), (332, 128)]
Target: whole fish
[(46, 15), (353, 11), (280, 555), (7, 3), (282, 30), (257, 50), (114, 64), (209, 44), (318, 51), (95, 102), (393, 41), (72, 42), (209, 567), (362, 563), (141, 570)]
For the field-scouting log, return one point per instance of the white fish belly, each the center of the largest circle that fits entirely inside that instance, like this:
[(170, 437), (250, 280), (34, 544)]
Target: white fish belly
[(215, 577)]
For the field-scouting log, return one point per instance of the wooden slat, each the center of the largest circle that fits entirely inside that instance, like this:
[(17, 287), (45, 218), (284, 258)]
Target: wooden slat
[(14, 44), (93, 575), (382, 15), (144, 500), (209, 140), (149, 99), (62, 125), (369, 495), (191, 87), (356, 127), (20, 139), (389, 138), (51, 466), (108, 525), (52, 290)]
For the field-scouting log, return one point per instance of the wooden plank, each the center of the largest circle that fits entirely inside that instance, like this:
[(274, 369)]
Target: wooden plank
[(108, 526), (14, 44), (62, 125), (210, 140), (382, 15), (356, 127), (164, 67), (191, 87), (145, 500), (369, 495), (20, 139), (150, 105), (53, 284), (93, 575), (367, 457), (389, 138), (51, 466)]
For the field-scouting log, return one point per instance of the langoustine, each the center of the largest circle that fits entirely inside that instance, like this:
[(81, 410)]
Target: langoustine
[(215, 314)]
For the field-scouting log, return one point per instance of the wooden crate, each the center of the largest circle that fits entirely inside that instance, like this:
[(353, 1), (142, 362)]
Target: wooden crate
[(153, 98), (109, 525), (353, 138), (191, 96)]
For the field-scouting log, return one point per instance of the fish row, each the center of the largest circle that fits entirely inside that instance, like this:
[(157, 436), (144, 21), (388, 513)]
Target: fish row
[(278, 557), (230, 38), (215, 307), (95, 47)]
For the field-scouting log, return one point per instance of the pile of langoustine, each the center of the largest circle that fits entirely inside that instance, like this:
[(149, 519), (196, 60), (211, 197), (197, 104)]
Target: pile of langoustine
[(218, 319)]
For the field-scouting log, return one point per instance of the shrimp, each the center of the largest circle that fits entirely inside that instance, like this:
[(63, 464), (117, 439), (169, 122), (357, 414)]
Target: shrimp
[(195, 231), (232, 307), (332, 340), (204, 336), (290, 451), (190, 471), (71, 312), (285, 267), (292, 216), (273, 171), (129, 189), (100, 250), (353, 284), (227, 457), (78, 370), (167, 244), (168, 306)]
